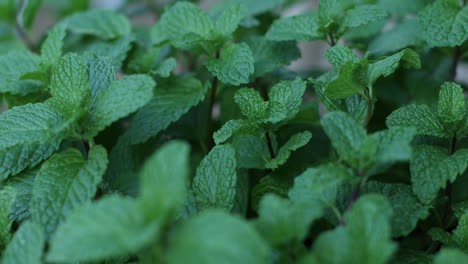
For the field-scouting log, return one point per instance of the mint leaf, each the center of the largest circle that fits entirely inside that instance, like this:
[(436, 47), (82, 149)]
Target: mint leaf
[(234, 127), (86, 233), (229, 20), (7, 200), (404, 35), (431, 167), (420, 117), (450, 255), (51, 48), (251, 104), (22, 184), (15, 64), (351, 80), (234, 65), (102, 23), (363, 15), (171, 100), (346, 135), (120, 99), (443, 23), (383, 68), (295, 142), (166, 67), (339, 55), (451, 103), (285, 99), (300, 28), (237, 244), (407, 210), (215, 182), (26, 246), (165, 174), (251, 151), (281, 221), (69, 80), (65, 181), (364, 239)]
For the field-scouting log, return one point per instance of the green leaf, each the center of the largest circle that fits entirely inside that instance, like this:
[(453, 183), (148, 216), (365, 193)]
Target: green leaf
[(234, 127), (285, 100), (26, 246), (363, 15), (271, 55), (65, 181), (17, 63), (116, 49), (101, 74), (317, 187), (339, 55), (251, 104), (383, 68), (185, 26), (69, 80), (51, 48), (450, 255), (120, 99), (402, 7), (86, 233), (460, 234), (451, 103), (22, 184), (166, 67), (443, 23), (404, 35), (281, 221), (234, 66), (171, 100), (346, 135), (407, 210), (431, 167), (351, 80), (7, 200), (102, 23), (300, 28), (239, 243), (164, 179), (229, 20), (215, 182), (295, 142), (364, 239), (329, 12), (251, 151), (420, 117)]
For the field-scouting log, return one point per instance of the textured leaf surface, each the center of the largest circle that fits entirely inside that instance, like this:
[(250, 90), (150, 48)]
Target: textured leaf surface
[(239, 243), (383, 68), (251, 151), (295, 142), (420, 117), (229, 20), (251, 103), (346, 135), (164, 179), (215, 182), (364, 239), (101, 23), (22, 184), (407, 210), (300, 28), (339, 55), (234, 65), (7, 201), (351, 80), (363, 15), (171, 100), (431, 168), (450, 255), (120, 99), (26, 246), (285, 99), (51, 49), (444, 23), (451, 102), (86, 234), (404, 35), (16, 63), (64, 182), (234, 127)]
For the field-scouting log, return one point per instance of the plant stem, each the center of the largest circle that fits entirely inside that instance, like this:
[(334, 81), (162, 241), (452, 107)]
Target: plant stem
[(456, 59), (214, 88), (332, 39), (270, 145), (352, 200), (20, 27), (370, 109)]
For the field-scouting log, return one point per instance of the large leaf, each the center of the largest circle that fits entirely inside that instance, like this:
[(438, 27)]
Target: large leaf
[(26, 246)]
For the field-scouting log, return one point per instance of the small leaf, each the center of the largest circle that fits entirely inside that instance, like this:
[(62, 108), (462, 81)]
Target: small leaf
[(451, 103), (383, 68), (300, 28), (285, 100), (339, 55), (51, 48), (215, 182), (229, 20), (351, 80), (251, 104), (295, 142), (234, 65)]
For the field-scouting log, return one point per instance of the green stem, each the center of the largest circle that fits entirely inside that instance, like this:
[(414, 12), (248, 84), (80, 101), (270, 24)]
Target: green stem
[(332, 39), (214, 88), (370, 109), (270, 145), (19, 27)]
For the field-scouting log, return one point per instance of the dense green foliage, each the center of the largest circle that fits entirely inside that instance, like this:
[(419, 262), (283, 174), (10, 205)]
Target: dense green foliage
[(189, 139)]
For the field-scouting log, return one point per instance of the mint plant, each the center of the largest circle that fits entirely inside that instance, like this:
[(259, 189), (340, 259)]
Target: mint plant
[(190, 138)]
